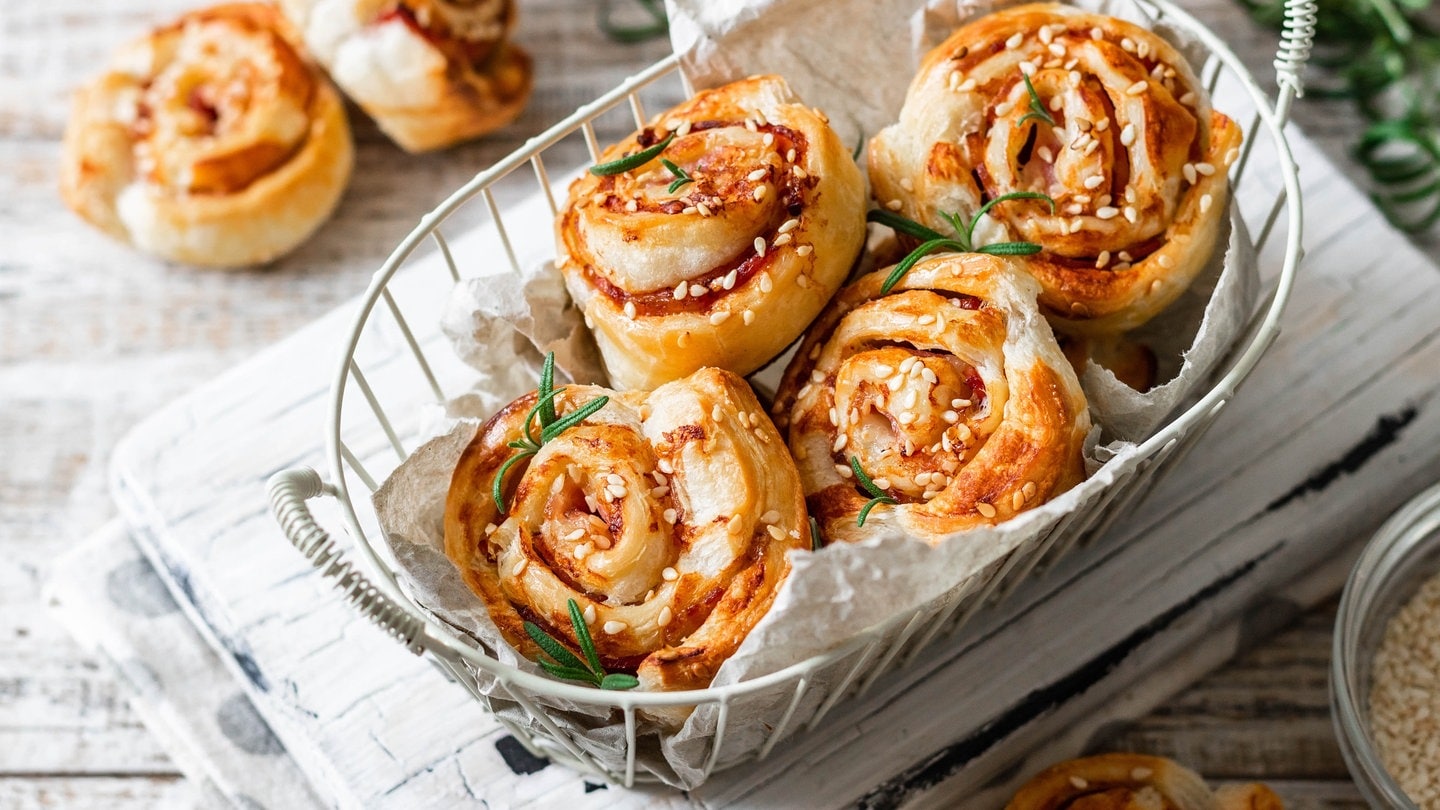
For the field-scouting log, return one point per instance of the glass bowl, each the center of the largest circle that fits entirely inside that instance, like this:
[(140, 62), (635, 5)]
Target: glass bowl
[(1403, 554)]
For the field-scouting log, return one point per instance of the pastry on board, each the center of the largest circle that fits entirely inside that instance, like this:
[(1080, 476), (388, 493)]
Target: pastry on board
[(1134, 782), (211, 141)]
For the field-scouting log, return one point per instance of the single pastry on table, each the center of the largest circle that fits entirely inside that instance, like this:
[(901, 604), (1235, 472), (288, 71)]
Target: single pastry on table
[(212, 141), (432, 73), (1100, 114), (713, 236), (1134, 782), (938, 405), (664, 518)]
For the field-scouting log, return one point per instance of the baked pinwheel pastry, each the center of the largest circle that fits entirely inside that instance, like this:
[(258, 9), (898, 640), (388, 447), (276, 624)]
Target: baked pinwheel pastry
[(212, 141), (942, 405), (1100, 114), (717, 248), (1134, 782), (664, 518), (431, 73)]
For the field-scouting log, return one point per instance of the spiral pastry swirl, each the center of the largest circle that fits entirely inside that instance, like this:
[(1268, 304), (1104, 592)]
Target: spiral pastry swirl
[(1134, 782), (665, 516), (211, 141), (1118, 132), (727, 269), (950, 392), (432, 73)]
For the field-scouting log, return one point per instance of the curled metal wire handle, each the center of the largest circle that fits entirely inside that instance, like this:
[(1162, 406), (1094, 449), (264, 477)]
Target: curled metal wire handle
[(288, 492), (1297, 36)]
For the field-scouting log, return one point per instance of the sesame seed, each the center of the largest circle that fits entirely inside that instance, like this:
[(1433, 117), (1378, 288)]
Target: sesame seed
[(630, 310), (663, 465), (1188, 99), (894, 205), (1127, 135), (750, 125), (789, 225), (683, 130), (1093, 181), (759, 193), (840, 442), (1057, 49), (950, 416), (1131, 214), (665, 616), (592, 503), (834, 418), (929, 375), (843, 470), (1163, 260), (632, 206), (895, 383), (1189, 171), (669, 516), (790, 155), (1045, 154), (1014, 41), (703, 209), (1125, 256), (683, 340), (803, 250), (583, 550), (817, 375), (907, 184), (760, 246), (766, 285), (680, 291), (748, 316), (1137, 88), (1107, 212), (800, 174), (929, 494), (1017, 500), (1102, 260), (985, 509), (758, 174), (1029, 490), (1079, 783), (612, 627), (1046, 35), (490, 529), (575, 535), (907, 418), (768, 139), (733, 524), (1071, 209), (730, 278), (1140, 774), (669, 574), (520, 567), (1096, 33), (1205, 169), (959, 403), (618, 491), (688, 210), (660, 491), (716, 414), (882, 371), (696, 290), (589, 614), (718, 317), (967, 85), (1128, 44), (782, 239), (773, 516), (926, 319), (775, 532), (1056, 102), (1205, 202)]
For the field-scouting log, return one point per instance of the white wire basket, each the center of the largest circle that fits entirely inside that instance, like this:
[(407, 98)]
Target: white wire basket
[(398, 362)]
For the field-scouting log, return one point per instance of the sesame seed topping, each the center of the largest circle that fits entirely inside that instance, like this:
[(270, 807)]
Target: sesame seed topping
[(1205, 169), (789, 225), (760, 246), (800, 174), (490, 529), (1014, 41), (750, 125), (1127, 135), (1107, 212), (769, 139), (1137, 88), (967, 85), (1205, 202), (589, 614), (1079, 783), (775, 532), (766, 285), (583, 550), (664, 617), (1093, 181), (907, 184), (748, 316), (719, 317), (759, 193), (520, 567), (1189, 171), (696, 290), (1056, 102), (1102, 260), (895, 383), (985, 509), (592, 503), (617, 491), (1017, 500), (612, 627), (575, 535), (950, 416), (632, 206), (1096, 33), (688, 210), (1125, 256), (894, 205), (840, 442), (1046, 35), (683, 130), (670, 516), (758, 174), (782, 239), (728, 282), (1073, 208), (630, 310), (1028, 68), (790, 155), (1057, 49), (1187, 99), (1163, 260), (907, 418), (843, 470), (663, 465), (1128, 44), (733, 524), (660, 491), (1045, 154), (1131, 214)]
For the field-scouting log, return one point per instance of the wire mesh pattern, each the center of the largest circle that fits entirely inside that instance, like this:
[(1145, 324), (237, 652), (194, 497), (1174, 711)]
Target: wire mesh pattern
[(395, 362)]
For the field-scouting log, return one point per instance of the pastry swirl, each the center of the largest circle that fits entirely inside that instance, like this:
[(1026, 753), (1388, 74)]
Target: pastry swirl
[(1134, 782), (432, 73), (727, 269), (665, 516), (950, 392), (211, 141), (1135, 159)]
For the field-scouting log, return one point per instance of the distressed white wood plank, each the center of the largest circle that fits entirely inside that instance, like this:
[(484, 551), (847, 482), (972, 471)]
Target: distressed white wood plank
[(100, 793)]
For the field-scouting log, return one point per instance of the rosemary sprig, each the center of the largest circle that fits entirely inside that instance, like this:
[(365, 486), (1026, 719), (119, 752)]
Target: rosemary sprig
[(634, 161), (681, 176), (1383, 55), (630, 34), (551, 426), (817, 541), (859, 146), (1037, 107), (564, 664), (877, 495), (962, 242)]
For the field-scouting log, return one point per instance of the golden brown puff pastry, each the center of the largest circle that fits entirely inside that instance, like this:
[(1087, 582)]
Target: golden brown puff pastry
[(431, 73), (1134, 782), (728, 269), (666, 516), (950, 392), (1136, 160), (211, 141)]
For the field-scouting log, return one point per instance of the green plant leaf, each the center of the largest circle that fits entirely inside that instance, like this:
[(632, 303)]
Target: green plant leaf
[(619, 682), (907, 263), (582, 635), (572, 419), (557, 651), (634, 161), (901, 224), (497, 489)]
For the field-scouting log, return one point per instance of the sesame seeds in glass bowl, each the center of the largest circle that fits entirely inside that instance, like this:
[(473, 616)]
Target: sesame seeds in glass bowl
[(1385, 665)]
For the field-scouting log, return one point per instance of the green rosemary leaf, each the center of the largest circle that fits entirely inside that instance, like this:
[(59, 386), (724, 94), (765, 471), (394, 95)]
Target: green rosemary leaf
[(865, 510), (1014, 195), (859, 146), (582, 635), (1037, 107), (817, 541), (631, 34), (681, 176), (634, 161), (962, 231), (1009, 249), (907, 263), (568, 673), (900, 224), (497, 489), (546, 392), (557, 651), (619, 682), (572, 419), (865, 482)]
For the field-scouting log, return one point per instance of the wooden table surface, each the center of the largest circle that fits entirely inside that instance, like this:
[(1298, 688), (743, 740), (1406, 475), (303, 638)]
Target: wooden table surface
[(94, 336)]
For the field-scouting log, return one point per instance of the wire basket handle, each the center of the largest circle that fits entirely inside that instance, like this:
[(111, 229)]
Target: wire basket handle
[(289, 490), (1297, 35)]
